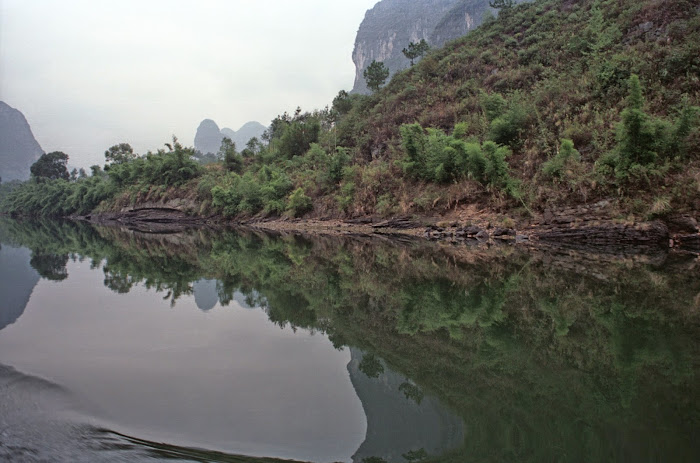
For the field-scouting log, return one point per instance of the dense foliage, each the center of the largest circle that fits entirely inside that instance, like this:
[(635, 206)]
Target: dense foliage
[(51, 166)]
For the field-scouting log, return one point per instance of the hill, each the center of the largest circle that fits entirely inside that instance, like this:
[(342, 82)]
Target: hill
[(18, 147), (391, 25), (549, 71), (208, 137)]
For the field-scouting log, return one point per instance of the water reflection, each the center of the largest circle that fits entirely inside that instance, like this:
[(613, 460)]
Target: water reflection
[(206, 295), (401, 420), (542, 354), (17, 281)]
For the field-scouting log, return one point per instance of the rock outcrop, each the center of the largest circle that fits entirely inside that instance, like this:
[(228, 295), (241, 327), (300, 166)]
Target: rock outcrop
[(18, 147)]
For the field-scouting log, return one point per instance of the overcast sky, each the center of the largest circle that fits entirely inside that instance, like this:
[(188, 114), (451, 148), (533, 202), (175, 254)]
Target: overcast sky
[(88, 74)]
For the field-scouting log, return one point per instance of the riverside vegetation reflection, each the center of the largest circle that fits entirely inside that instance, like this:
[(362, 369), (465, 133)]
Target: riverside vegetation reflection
[(546, 355)]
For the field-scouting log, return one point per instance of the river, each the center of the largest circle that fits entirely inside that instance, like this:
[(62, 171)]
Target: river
[(241, 345)]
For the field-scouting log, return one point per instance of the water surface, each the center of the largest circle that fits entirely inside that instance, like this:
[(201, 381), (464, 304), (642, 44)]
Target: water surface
[(204, 345)]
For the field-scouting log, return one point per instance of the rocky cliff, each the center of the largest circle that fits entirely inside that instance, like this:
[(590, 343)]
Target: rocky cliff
[(209, 136), (392, 24), (18, 147)]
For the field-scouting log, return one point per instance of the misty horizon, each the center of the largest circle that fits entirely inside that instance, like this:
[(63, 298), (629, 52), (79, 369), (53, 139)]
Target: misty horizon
[(87, 76)]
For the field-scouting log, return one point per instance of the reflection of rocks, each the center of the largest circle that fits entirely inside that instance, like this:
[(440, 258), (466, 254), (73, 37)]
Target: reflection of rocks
[(205, 294), (399, 418), (17, 281), (245, 301)]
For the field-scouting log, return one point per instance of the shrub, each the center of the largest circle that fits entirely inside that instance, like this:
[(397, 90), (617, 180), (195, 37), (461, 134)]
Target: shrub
[(252, 193), (507, 128), (433, 156), (566, 154), (643, 140), (496, 169), (493, 105), (298, 203)]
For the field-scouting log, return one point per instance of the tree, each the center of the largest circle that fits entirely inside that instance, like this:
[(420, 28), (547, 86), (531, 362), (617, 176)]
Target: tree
[(96, 170), (50, 266), (342, 104), (51, 166), (252, 148), (119, 154), (232, 160), (416, 50), (375, 75), (637, 134)]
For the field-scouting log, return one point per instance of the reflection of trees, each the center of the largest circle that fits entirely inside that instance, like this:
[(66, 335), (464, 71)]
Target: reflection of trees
[(50, 266), (119, 283), (371, 366), (553, 353), (412, 392)]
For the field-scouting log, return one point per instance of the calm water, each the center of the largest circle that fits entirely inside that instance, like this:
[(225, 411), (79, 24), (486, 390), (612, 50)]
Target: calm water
[(117, 345)]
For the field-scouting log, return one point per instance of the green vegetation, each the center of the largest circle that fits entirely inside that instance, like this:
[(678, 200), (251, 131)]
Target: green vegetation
[(51, 166), (375, 75), (431, 155), (416, 50), (551, 103)]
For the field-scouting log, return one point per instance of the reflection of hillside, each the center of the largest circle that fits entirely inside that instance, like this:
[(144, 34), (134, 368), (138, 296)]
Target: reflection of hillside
[(398, 424), (17, 281), (542, 352)]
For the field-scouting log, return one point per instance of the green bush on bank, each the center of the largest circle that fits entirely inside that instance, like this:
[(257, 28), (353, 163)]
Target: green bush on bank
[(251, 193), (58, 197), (433, 156), (645, 142), (167, 168)]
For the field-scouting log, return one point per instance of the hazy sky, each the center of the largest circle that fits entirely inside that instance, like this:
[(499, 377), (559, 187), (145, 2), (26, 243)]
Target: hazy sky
[(88, 74)]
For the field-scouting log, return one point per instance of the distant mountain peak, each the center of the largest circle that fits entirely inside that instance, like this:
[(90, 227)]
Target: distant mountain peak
[(18, 147), (209, 136)]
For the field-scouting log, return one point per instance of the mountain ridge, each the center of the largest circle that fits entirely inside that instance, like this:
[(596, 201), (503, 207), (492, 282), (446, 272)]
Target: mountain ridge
[(18, 147), (209, 136)]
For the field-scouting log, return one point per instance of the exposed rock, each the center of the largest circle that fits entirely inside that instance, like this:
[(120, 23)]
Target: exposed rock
[(391, 25), (472, 230), (689, 242), (648, 233), (398, 223), (483, 235), (18, 147), (463, 17), (683, 224), (503, 233)]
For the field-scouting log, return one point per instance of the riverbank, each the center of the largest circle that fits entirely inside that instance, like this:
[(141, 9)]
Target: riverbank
[(598, 225)]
